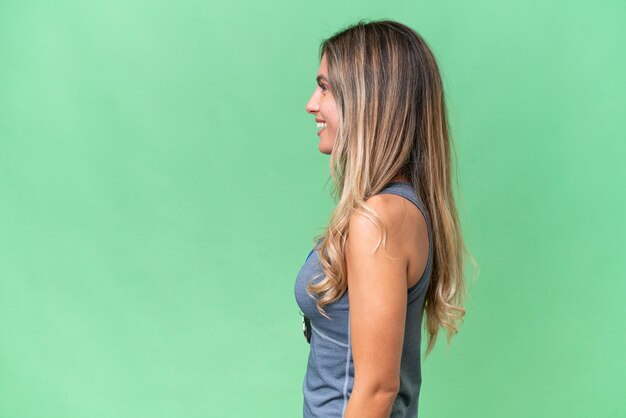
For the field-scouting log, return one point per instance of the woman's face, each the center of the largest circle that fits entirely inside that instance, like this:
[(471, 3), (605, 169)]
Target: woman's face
[(322, 105)]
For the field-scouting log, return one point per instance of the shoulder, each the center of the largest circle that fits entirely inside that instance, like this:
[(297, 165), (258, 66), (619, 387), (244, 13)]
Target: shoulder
[(364, 234), (391, 208)]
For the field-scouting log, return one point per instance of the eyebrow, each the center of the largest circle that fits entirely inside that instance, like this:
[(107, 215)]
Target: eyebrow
[(321, 77)]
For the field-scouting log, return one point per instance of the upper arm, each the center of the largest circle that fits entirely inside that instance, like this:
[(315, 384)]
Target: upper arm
[(377, 292)]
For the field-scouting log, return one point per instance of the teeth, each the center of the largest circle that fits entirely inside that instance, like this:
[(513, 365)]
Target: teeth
[(321, 124)]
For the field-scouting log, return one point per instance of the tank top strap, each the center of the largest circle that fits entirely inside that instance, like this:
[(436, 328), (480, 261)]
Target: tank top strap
[(406, 190)]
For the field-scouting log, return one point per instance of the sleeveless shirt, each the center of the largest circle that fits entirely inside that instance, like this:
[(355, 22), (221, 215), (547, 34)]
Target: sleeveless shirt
[(329, 376)]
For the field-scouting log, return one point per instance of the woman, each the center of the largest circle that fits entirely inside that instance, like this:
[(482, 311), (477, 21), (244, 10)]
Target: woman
[(393, 246)]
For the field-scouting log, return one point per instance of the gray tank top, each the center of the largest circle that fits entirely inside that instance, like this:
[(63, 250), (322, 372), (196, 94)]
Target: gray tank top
[(329, 374)]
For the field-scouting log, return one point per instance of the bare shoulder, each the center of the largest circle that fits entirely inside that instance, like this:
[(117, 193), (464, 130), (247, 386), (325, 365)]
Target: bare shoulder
[(396, 214)]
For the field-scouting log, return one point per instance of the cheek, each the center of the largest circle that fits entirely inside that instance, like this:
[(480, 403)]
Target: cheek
[(334, 119), (333, 125)]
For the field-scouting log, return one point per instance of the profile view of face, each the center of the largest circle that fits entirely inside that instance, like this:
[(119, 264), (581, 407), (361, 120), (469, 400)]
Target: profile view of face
[(322, 105)]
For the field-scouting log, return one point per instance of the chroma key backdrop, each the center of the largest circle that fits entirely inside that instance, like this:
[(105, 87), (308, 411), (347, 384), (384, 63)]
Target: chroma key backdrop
[(161, 185)]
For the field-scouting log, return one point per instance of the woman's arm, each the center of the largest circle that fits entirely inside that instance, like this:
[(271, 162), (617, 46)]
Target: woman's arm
[(377, 292)]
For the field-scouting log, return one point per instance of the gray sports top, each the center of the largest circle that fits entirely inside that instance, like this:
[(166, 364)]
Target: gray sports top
[(330, 370)]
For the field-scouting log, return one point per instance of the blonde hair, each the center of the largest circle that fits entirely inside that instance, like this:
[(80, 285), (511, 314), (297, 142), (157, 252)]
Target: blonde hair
[(392, 121)]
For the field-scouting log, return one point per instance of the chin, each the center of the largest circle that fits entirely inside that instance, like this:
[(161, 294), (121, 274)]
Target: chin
[(325, 148)]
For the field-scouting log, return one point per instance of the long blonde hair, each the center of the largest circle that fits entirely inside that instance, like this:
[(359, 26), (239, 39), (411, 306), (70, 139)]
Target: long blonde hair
[(392, 121)]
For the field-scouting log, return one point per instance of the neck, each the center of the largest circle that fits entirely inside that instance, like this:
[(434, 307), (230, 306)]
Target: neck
[(400, 178)]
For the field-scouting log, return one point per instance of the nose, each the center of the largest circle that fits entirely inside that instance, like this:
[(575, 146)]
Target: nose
[(312, 106)]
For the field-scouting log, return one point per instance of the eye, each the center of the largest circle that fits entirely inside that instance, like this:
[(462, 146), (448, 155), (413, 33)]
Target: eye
[(322, 87)]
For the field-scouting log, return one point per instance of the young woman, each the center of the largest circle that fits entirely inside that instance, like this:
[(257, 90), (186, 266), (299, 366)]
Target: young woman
[(393, 247)]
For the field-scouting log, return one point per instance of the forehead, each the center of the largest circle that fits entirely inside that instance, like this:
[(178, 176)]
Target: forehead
[(322, 72), (323, 61)]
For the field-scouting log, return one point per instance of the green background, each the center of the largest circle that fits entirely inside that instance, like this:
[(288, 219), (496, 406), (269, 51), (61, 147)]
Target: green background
[(160, 186)]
